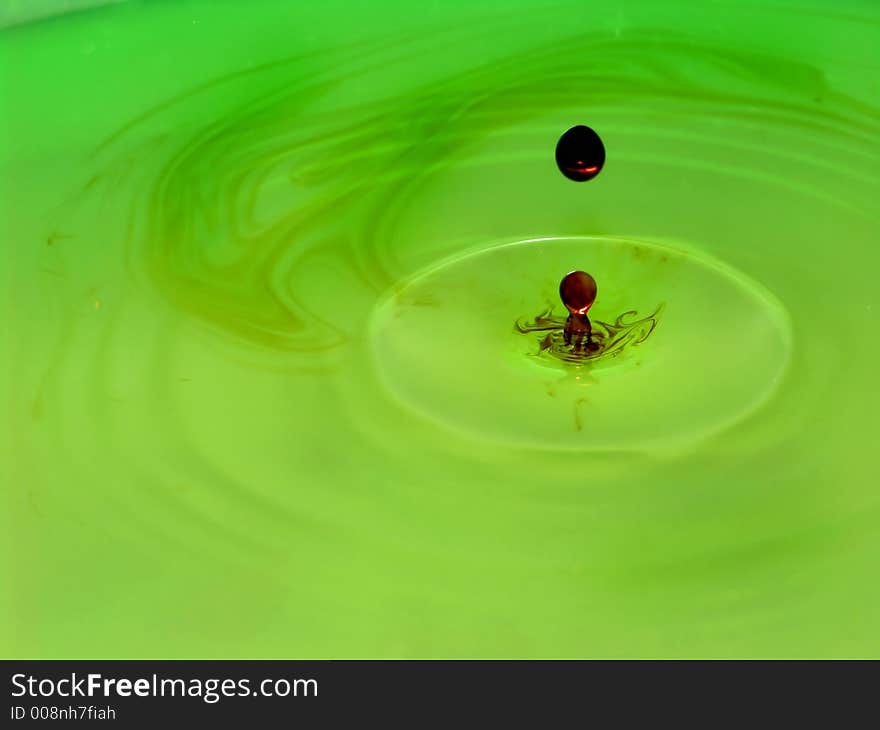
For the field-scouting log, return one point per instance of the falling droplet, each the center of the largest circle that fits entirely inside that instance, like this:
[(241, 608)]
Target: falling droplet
[(580, 153)]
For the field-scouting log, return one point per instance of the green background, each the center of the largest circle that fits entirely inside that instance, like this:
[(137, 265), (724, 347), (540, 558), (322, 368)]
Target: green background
[(201, 205)]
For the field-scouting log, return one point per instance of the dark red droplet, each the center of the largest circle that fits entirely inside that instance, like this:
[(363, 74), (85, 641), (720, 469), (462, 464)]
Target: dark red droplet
[(578, 291), (580, 154)]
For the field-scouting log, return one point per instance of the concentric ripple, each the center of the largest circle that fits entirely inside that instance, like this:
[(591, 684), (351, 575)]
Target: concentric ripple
[(446, 345), (205, 206)]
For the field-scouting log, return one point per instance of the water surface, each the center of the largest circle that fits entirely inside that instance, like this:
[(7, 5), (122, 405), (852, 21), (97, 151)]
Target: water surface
[(205, 207)]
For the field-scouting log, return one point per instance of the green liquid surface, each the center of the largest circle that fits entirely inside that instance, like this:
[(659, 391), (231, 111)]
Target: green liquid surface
[(715, 348), (264, 394)]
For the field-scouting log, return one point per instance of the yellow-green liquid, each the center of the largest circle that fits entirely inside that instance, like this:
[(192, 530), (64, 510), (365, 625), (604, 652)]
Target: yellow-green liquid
[(206, 449)]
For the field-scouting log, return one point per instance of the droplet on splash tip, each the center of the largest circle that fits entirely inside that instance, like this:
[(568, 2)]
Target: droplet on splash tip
[(578, 291)]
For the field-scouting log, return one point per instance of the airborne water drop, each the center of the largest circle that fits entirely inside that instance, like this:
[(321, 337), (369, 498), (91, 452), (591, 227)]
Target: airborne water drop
[(580, 154)]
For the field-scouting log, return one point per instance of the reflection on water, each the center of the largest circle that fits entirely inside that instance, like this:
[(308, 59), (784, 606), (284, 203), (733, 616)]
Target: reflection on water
[(201, 445)]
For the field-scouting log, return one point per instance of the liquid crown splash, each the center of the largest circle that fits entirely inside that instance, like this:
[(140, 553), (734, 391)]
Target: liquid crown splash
[(575, 339)]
